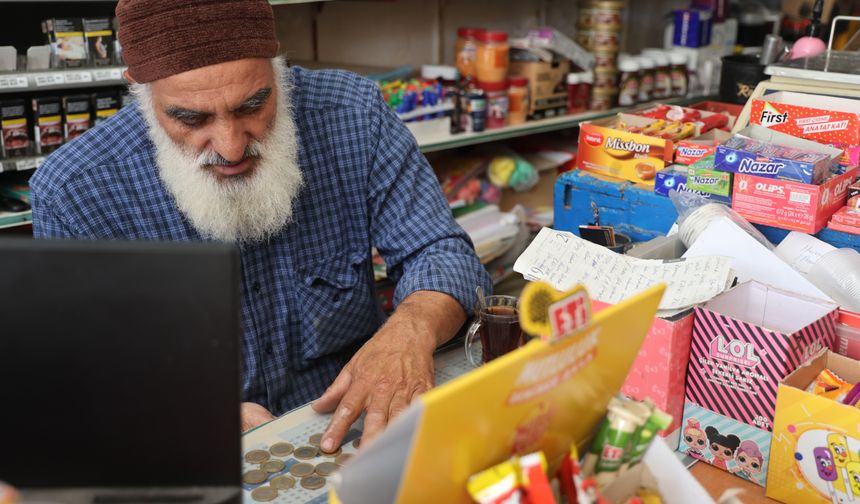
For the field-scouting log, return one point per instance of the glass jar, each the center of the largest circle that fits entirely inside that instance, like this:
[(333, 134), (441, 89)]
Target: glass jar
[(518, 100), (465, 51), (586, 82), (646, 79), (662, 78), (497, 102), (573, 83), (602, 98), (628, 92), (678, 73), (491, 63)]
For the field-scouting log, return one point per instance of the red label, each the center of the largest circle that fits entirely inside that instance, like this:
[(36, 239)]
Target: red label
[(569, 315), (594, 139), (612, 453)]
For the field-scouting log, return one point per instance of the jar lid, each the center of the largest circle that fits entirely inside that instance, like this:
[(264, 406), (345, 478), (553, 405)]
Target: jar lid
[(465, 32), (659, 59), (628, 65), (493, 86), (444, 72), (586, 77), (574, 78), (678, 58), (492, 36), (646, 62), (518, 80)]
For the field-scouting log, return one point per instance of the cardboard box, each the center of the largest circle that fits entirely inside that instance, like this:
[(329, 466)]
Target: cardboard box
[(675, 177), (790, 205), (733, 110), (844, 228), (816, 441), (660, 367), (709, 181), (853, 196), (848, 334), (756, 150), (547, 84), (846, 216), (630, 156), (723, 442), (688, 152), (748, 339), (661, 471)]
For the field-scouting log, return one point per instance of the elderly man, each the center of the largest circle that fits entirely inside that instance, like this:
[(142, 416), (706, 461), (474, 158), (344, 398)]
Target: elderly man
[(305, 171)]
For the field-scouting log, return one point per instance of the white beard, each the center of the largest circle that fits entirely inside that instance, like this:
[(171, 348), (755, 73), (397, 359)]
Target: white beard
[(246, 209)]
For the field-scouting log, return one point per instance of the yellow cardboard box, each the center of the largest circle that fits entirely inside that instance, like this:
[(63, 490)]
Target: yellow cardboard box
[(815, 451)]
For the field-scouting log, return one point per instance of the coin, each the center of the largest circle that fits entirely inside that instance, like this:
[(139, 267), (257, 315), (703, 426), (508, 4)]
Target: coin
[(281, 449), (306, 452), (315, 440), (313, 482), (326, 468), (264, 494), (301, 470), (272, 466), (342, 458), (283, 482), (332, 454), (256, 456), (254, 477), (356, 443)]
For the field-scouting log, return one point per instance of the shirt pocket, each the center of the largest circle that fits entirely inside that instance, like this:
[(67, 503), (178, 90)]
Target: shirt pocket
[(339, 309)]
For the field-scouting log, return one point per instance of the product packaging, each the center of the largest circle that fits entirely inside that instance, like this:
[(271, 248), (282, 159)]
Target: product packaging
[(744, 342), (100, 40), (76, 116), (48, 124), (790, 205), (692, 28), (675, 177), (13, 121), (848, 334), (755, 150), (709, 181), (689, 151), (105, 104), (67, 40), (816, 440), (547, 81)]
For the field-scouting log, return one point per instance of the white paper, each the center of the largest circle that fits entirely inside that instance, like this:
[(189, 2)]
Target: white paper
[(750, 259), (801, 251), (676, 484), (565, 260)]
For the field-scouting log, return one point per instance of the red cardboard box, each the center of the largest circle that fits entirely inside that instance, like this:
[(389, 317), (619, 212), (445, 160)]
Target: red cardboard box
[(689, 151), (732, 110), (659, 371), (843, 228), (847, 216), (825, 119), (790, 205)]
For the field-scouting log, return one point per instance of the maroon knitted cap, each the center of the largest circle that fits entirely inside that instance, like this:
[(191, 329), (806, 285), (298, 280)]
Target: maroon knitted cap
[(161, 38)]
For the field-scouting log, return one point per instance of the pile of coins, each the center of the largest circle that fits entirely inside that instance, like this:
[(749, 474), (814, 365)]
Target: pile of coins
[(308, 476), (599, 31)]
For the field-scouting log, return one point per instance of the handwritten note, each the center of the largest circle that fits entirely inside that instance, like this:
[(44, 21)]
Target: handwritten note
[(565, 260), (802, 251)]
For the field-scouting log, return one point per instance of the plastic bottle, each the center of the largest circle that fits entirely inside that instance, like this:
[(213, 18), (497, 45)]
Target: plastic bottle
[(465, 49), (518, 100), (574, 105), (497, 103), (491, 63), (586, 82)]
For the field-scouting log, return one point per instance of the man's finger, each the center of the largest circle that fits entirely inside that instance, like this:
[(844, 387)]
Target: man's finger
[(332, 396), (398, 405), (417, 391), (253, 415), (344, 416), (376, 417)]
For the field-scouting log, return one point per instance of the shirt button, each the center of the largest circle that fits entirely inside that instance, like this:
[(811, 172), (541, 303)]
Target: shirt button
[(256, 287), (269, 349)]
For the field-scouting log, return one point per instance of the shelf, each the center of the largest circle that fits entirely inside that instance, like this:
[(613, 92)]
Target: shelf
[(449, 141), (14, 219), (46, 80), (21, 164)]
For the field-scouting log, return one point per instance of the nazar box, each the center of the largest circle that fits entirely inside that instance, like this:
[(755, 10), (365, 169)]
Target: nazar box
[(815, 453)]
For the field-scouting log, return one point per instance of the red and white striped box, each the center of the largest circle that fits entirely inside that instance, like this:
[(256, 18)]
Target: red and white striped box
[(745, 341)]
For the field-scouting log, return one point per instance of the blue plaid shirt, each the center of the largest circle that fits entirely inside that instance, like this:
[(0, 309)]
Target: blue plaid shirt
[(308, 299)]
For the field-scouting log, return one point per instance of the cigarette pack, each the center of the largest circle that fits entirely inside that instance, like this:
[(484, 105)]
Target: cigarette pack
[(100, 40), (13, 122), (68, 42), (76, 115), (105, 104), (48, 124)]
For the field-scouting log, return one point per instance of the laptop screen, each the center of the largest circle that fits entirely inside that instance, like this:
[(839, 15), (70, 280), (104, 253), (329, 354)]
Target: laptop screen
[(119, 364)]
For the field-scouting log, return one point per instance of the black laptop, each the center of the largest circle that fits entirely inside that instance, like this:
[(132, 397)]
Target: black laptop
[(120, 371)]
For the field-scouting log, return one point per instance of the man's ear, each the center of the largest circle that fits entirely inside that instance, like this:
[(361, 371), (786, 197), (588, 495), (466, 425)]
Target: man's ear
[(127, 77)]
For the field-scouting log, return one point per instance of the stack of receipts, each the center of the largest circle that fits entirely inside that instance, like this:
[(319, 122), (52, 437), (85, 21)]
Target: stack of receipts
[(565, 260)]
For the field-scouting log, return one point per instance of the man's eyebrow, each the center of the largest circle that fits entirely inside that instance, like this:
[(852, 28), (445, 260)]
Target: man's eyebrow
[(257, 100), (183, 114)]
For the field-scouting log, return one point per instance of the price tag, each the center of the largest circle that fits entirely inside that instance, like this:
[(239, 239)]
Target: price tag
[(78, 77), (40, 160), (106, 74), (49, 79), (25, 164), (13, 82)]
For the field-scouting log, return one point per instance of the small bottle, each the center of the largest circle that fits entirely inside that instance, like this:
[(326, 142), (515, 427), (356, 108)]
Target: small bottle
[(662, 79), (628, 93), (464, 51), (586, 82), (646, 79), (477, 110), (678, 73), (573, 83), (518, 100)]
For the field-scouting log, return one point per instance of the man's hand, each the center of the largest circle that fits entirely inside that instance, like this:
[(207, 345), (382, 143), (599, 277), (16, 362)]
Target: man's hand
[(391, 369), (253, 415)]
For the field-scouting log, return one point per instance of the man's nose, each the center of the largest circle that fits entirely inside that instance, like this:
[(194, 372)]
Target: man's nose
[(230, 141)]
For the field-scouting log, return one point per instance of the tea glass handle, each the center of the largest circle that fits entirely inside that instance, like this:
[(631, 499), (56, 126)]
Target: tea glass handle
[(470, 338)]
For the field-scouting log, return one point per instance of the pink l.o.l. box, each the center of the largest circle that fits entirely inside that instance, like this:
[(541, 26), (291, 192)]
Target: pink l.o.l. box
[(848, 335), (790, 205), (660, 368), (748, 339)]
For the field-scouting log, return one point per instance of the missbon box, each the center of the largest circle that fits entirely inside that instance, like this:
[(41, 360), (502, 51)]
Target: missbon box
[(748, 339), (825, 119), (770, 154), (790, 205)]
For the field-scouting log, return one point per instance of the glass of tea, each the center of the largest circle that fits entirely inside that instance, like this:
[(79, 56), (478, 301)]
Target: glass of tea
[(497, 323)]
